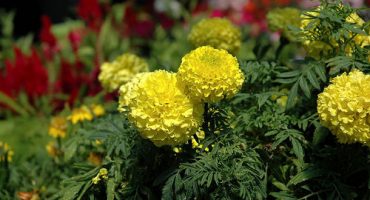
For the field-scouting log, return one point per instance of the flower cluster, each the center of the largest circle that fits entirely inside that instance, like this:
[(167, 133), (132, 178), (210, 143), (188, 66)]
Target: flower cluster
[(161, 111), (167, 108), (85, 113), (210, 74), (121, 70), (218, 33), (344, 105)]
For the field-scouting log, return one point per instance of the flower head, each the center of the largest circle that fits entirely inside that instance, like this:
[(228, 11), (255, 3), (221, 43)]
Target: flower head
[(218, 33), (210, 74), (121, 70), (161, 111), (344, 105), (58, 127), (80, 114)]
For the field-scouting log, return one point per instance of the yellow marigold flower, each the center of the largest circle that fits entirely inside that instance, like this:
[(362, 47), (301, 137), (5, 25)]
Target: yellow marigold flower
[(121, 70), (80, 114), (161, 111), (279, 19), (97, 109), (216, 32), (344, 105), (52, 149), (102, 175), (58, 127), (5, 152), (127, 91), (210, 74)]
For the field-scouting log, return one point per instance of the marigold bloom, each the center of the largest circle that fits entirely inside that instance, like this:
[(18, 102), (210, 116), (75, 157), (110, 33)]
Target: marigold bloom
[(210, 74), (344, 105), (58, 127), (218, 33), (80, 114), (95, 158), (121, 70), (127, 91), (161, 111)]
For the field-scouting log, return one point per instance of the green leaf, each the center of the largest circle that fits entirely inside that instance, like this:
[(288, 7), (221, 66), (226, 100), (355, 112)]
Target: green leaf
[(280, 185), (12, 104), (313, 80), (304, 87), (319, 135), (297, 148), (293, 93), (110, 189), (289, 74), (306, 175), (72, 192)]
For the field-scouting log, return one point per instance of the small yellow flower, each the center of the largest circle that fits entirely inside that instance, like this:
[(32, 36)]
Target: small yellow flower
[(194, 143), (80, 114), (97, 109), (343, 107), (210, 75), (121, 70), (58, 127), (102, 175), (218, 33), (160, 109), (5, 152)]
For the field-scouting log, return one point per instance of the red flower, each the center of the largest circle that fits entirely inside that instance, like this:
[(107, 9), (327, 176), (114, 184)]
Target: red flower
[(26, 74), (91, 12), (137, 25), (75, 38), (49, 42)]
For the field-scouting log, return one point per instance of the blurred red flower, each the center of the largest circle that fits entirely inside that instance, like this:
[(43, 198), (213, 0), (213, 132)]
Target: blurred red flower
[(25, 73), (48, 40), (91, 12)]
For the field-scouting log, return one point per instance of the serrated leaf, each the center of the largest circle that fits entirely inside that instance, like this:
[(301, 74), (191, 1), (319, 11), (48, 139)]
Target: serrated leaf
[(297, 148), (313, 80), (306, 175), (289, 74), (304, 87), (293, 93), (72, 192)]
